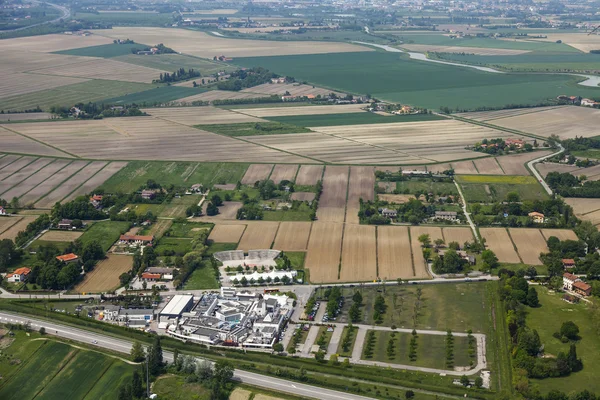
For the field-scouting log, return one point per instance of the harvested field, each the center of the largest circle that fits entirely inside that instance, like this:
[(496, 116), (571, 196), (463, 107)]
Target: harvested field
[(15, 166), (200, 44), (545, 168), (227, 211), (18, 83), (530, 243), (499, 242), (21, 175), (11, 233), (8, 159), (212, 95), (294, 89), (464, 167), (258, 235), (7, 222), (332, 204), (97, 179), (580, 40), (324, 250), (394, 256), (301, 110), (456, 234), (199, 115), (292, 236), (60, 236), (283, 172), (481, 51), (15, 143), (583, 206), (226, 233), (25, 116), (561, 234), (515, 164), (486, 116), (420, 267), (70, 185), (303, 196), (593, 217), (35, 181), (51, 43), (395, 198), (309, 174), (105, 277), (434, 232), (257, 172), (361, 186), (488, 166)]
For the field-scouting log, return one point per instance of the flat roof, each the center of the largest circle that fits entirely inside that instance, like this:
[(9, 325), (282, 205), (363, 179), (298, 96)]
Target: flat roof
[(177, 304)]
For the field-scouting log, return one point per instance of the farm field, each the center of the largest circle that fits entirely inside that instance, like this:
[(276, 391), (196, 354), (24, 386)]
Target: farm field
[(11, 231), (361, 186), (515, 164), (103, 50), (213, 95), (258, 235), (171, 62), (530, 243), (35, 180), (580, 41), (199, 115), (414, 186), (226, 233), (283, 172), (292, 236), (49, 183), (333, 198), (581, 207), (545, 168), (257, 172), (479, 51), (359, 254), (358, 118), (456, 234), (21, 175), (99, 178), (16, 166), (60, 236), (15, 143), (324, 250), (499, 242), (302, 111), (464, 167), (35, 116), (105, 276), (561, 234), (104, 232), (309, 175), (394, 257), (7, 159), (495, 188), (52, 43), (294, 89), (252, 129), (434, 232), (488, 166)]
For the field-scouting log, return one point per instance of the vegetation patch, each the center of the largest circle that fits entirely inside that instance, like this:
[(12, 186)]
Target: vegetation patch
[(253, 129), (352, 119), (103, 50), (104, 232)]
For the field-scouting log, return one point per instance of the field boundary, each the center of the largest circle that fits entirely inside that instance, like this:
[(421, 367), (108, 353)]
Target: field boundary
[(83, 183), (63, 167), (28, 176), (39, 141), (514, 245), (61, 183)]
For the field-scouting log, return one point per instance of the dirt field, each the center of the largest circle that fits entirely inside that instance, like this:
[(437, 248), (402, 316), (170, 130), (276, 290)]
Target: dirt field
[(301, 110), (395, 198), (19, 176), (309, 174), (52, 43), (12, 231), (465, 167), (303, 196), (257, 172), (488, 166), (530, 243), (25, 116), (361, 186), (333, 199), (97, 179), (324, 250), (420, 267), (434, 232), (482, 51), (15, 166), (283, 172), (105, 277), (545, 168), (515, 164), (199, 115), (35, 180), (456, 234), (218, 95), (359, 254), (581, 41), (292, 236), (593, 217), (203, 45), (50, 183), (7, 159), (561, 234), (258, 235), (583, 206), (60, 236), (226, 233), (499, 242), (17, 83), (7, 222), (227, 211), (394, 256), (15, 143), (240, 394)]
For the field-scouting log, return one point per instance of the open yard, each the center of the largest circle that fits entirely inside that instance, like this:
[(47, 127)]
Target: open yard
[(104, 232), (105, 276), (324, 250), (499, 242)]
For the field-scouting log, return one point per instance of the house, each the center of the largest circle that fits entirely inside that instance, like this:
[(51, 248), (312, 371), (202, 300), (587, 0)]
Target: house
[(65, 224), (388, 213), (446, 215), (582, 288), (18, 275), (148, 194), (568, 280), (136, 240), (568, 263), (462, 254), (67, 258), (2, 211), (518, 143), (95, 200), (148, 276), (589, 103), (196, 188), (281, 79), (537, 217)]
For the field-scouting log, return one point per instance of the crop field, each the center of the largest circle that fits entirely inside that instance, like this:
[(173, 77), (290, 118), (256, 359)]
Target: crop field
[(457, 234), (35, 181), (35, 116), (212, 95), (103, 50), (545, 168), (580, 41), (499, 242), (309, 175), (16, 166), (488, 116), (171, 62), (60, 236), (488, 166), (324, 250), (294, 89), (433, 232), (18, 84), (358, 118), (292, 236), (52, 182), (530, 243), (253, 129), (361, 186), (515, 164), (52, 43), (15, 143), (283, 172), (489, 188), (332, 203), (257, 172), (199, 115), (99, 178), (22, 174), (480, 51), (302, 110), (7, 222), (7, 159), (583, 207), (105, 276), (12, 231), (104, 232), (200, 44), (464, 167), (359, 254), (561, 234), (394, 258), (415, 185), (258, 235)]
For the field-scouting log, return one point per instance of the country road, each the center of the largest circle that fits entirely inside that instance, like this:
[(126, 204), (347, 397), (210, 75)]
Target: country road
[(539, 177)]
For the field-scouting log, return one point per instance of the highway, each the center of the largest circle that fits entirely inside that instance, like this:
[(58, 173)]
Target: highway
[(124, 346)]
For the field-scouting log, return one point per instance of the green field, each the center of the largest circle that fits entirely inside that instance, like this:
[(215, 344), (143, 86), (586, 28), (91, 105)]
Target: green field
[(103, 50), (94, 90), (60, 245), (591, 153), (352, 119), (104, 232), (202, 278), (394, 77), (547, 319), (171, 62), (127, 18), (143, 209), (253, 129), (493, 188), (173, 246), (183, 174), (186, 229), (426, 186), (174, 387), (160, 94)]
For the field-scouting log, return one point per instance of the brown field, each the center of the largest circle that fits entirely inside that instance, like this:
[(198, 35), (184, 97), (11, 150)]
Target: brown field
[(105, 277), (324, 250), (583, 206), (485, 116), (581, 41), (60, 236), (309, 174), (423, 48), (419, 265), (395, 198), (22, 175), (332, 204), (97, 179), (17, 83), (70, 185), (15, 143), (361, 186), (393, 253), (16, 166), (11, 233), (51, 43), (301, 110), (7, 159), (203, 45), (359, 254), (258, 235), (7, 222), (530, 243), (456, 234), (292, 236), (257, 172), (515, 164), (545, 168), (294, 89), (227, 211), (464, 167), (499, 242), (199, 115), (434, 232), (218, 95), (488, 166), (35, 180), (283, 172), (303, 196), (593, 217), (561, 234), (25, 116), (226, 233)]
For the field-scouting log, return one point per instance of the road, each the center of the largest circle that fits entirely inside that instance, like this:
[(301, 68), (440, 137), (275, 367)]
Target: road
[(124, 346), (537, 174), (467, 214), (66, 13)]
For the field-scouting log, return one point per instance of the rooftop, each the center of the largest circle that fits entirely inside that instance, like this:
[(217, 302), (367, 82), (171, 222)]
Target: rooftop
[(177, 304)]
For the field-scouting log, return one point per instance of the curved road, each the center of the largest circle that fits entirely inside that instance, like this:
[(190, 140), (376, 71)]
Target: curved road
[(537, 174), (66, 14)]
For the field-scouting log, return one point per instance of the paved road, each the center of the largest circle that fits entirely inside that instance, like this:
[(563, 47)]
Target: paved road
[(124, 346), (537, 174), (310, 340), (334, 342)]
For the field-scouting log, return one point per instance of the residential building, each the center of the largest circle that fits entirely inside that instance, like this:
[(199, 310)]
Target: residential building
[(18, 275), (2, 211), (136, 240), (568, 280), (568, 263), (147, 276), (148, 194), (65, 224), (95, 200), (462, 254), (518, 143), (68, 258), (446, 215), (388, 213), (537, 217), (589, 103), (582, 288)]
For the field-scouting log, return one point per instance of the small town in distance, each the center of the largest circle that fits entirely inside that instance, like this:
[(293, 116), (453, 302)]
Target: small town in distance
[(299, 200)]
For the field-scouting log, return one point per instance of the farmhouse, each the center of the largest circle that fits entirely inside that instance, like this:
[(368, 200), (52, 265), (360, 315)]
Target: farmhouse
[(166, 274), (136, 240), (18, 275), (537, 217), (582, 288), (65, 224), (2, 211), (388, 213), (589, 103), (462, 254), (446, 215), (148, 194), (68, 258), (148, 276), (568, 263)]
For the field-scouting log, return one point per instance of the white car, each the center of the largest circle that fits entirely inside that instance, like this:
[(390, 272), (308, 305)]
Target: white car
[(94, 341)]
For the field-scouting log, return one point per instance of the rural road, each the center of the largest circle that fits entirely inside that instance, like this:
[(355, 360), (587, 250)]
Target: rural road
[(66, 14), (539, 177), (467, 214), (124, 346)]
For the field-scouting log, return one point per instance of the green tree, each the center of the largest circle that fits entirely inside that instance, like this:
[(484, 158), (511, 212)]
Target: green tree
[(489, 259), (464, 380), (569, 330), (532, 297), (211, 209), (478, 382), (425, 240), (137, 389), (137, 352), (278, 347), (155, 358)]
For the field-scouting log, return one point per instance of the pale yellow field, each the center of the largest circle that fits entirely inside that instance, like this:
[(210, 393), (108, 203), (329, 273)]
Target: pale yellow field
[(105, 276), (359, 254), (283, 172), (324, 250), (218, 95), (12, 231), (423, 48), (488, 166), (593, 217), (545, 168), (530, 243), (15, 143), (292, 236), (257, 172), (486, 116), (199, 115), (581, 41), (456, 234), (226, 233), (25, 116), (7, 222), (301, 110), (258, 236), (333, 198), (303, 196), (464, 167), (51, 43), (240, 394), (434, 232), (394, 256), (361, 186), (561, 234), (44, 171), (583, 206), (60, 236), (499, 242), (419, 265), (17, 83), (309, 174), (395, 198)]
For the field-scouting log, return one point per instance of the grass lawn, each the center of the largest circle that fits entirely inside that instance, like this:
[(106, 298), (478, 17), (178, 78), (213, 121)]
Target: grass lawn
[(289, 215), (173, 246), (431, 350), (426, 185), (183, 174), (488, 188), (253, 129), (142, 209), (128, 18), (352, 119), (202, 278), (159, 94), (104, 232), (547, 319), (541, 269), (340, 349), (186, 229), (174, 387), (591, 153), (60, 245), (296, 258), (103, 50), (176, 208)]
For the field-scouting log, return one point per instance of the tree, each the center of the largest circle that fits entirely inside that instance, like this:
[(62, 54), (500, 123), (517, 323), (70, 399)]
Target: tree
[(211, 209), (464, 380), (532, 297), (42, 331), (137, 352), (478, 382), (155, 358), (223, 373), (409, 394), (333, 359), (278, 347), (425, 240), (320, 355), (357, 297), (569, 330), (489, 258), (136, 385)]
